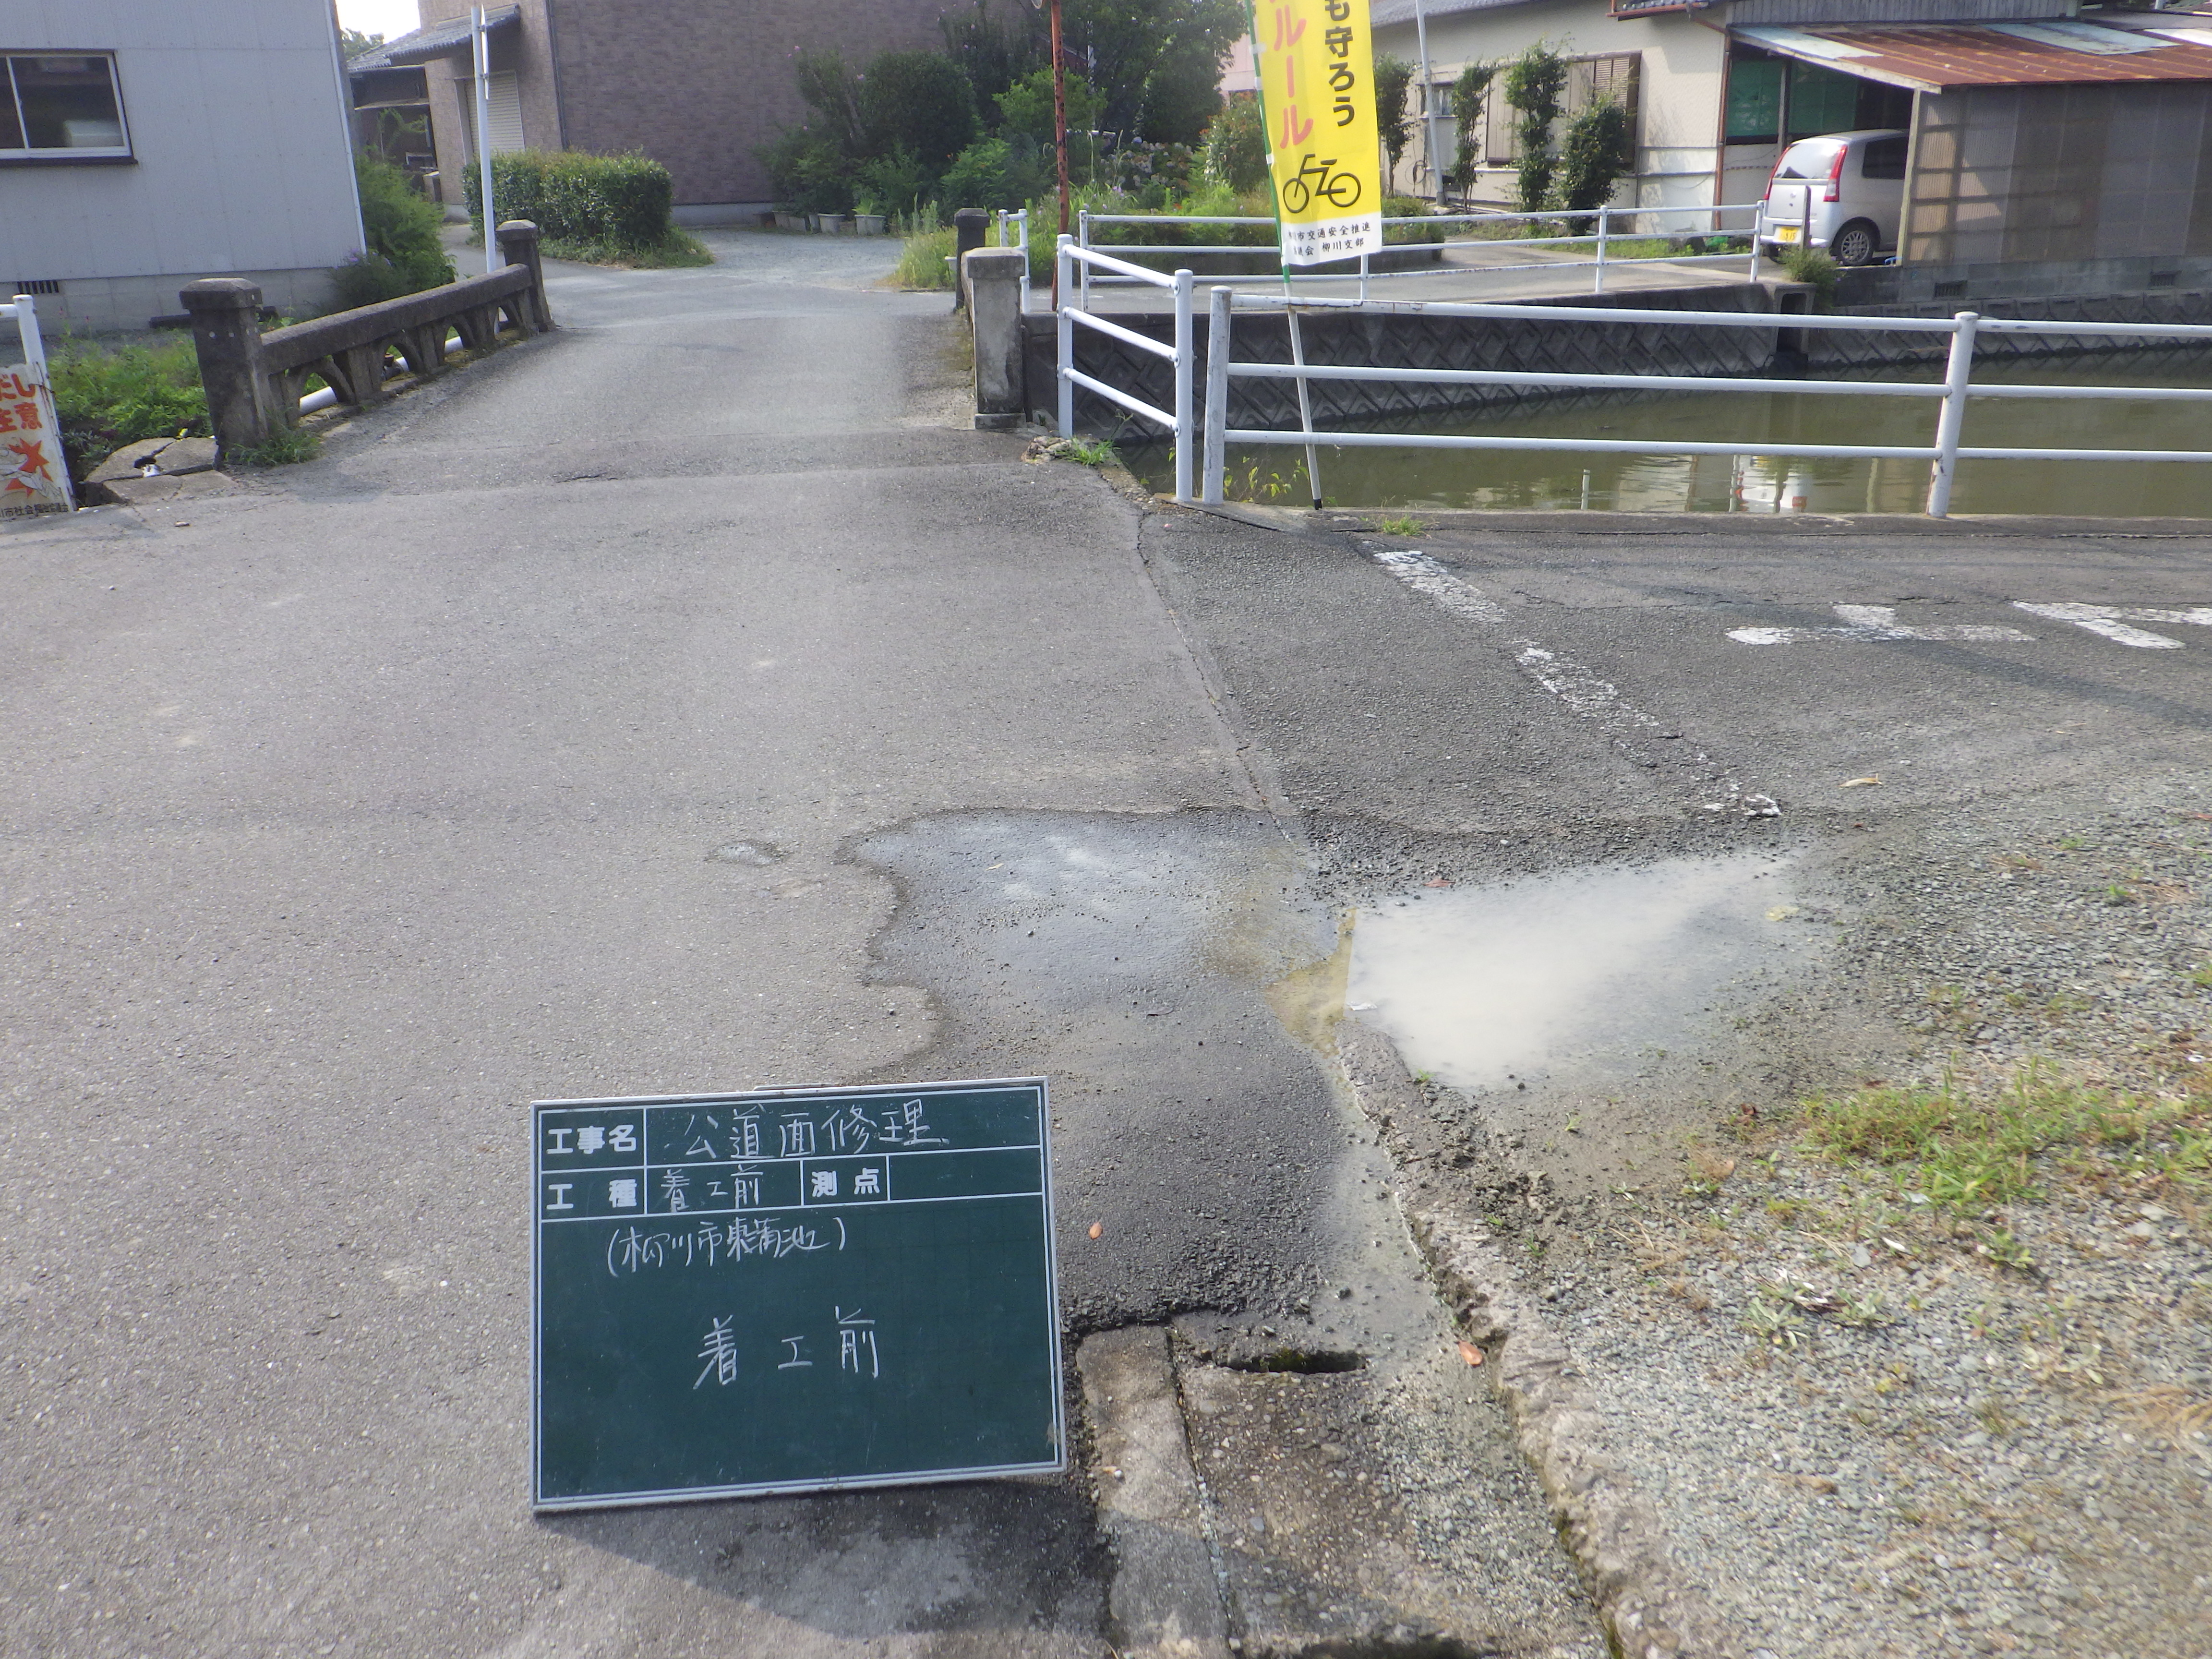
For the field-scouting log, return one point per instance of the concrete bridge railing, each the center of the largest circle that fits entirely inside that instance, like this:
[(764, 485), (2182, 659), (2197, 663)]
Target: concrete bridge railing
[(253, 380)]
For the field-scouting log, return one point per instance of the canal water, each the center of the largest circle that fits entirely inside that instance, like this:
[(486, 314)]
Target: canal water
[(1410, 479)]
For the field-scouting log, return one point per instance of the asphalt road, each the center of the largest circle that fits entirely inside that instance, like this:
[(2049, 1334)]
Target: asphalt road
[(687, 701), (569, 729)]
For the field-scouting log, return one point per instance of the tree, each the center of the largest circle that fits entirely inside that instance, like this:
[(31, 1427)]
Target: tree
[(1534, 85), (1393, 78), (352, 43), (1470, 93), (1598, 151)]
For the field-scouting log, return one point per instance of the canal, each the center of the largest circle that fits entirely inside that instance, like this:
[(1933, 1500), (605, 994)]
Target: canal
[(1410, 479)]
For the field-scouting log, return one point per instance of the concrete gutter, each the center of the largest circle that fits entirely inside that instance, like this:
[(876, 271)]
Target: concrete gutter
[(1650, 1608)]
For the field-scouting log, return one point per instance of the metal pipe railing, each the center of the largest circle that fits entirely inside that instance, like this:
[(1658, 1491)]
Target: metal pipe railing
[(1600, 239), (1074, 264), (1944, 453)]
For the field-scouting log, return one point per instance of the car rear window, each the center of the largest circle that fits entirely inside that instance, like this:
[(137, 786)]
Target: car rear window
[(1884, 158), (1808, 158)]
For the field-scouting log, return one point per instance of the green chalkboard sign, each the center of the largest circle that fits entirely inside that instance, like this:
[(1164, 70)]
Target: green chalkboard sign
[(792, 1291)]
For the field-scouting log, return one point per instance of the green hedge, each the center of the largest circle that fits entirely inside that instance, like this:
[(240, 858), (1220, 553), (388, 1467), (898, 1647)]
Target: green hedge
[(571, 196)]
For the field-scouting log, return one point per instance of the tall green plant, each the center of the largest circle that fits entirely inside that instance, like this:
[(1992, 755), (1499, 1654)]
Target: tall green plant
[(1598, 152), (1393, 78), (400, 251), (1534, 86), (1236, 145), (1470, 93)]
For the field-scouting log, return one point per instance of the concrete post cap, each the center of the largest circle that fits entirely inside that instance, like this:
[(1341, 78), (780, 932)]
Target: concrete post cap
[(972, 216), (517, 230), (221, 294), (984, 261)]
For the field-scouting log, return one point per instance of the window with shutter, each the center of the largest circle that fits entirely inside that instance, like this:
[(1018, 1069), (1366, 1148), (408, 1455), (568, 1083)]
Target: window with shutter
[(506, 112)]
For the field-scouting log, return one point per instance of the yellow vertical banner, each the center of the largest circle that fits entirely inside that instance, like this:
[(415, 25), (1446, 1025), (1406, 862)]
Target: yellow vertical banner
[(1318, 92)]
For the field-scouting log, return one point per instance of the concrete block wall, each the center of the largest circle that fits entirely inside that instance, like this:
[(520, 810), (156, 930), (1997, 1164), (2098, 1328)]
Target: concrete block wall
[(97, 305), (702, 87)]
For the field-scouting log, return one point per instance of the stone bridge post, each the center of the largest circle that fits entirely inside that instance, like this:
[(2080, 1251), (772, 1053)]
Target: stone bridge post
[(518, 246), (225, 313), (992, 277)]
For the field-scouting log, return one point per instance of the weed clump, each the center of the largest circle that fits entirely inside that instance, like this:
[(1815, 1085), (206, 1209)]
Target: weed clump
[(1968, 1156)]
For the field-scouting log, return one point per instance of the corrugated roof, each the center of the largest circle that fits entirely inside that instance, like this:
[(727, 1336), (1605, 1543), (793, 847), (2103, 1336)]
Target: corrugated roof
[(424, 44), (1932, 57)]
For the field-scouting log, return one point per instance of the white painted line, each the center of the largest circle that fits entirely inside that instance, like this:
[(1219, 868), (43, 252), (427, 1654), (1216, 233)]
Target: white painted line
[(1564, 678), (2106, 620), (1874, 622), (1582, 691)]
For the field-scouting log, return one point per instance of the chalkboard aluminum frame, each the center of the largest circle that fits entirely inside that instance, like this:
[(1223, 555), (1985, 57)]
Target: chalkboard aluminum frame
[(1057, 1465)]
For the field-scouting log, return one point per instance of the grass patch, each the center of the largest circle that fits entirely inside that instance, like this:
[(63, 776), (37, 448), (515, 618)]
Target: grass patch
[(923, 260), (286, 446), (1965, 1155), (109, 396), (675, 250), (1404, 527)]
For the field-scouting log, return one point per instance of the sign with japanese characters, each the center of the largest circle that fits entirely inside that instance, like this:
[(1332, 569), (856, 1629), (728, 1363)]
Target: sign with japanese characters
[(33, 474), (792, 1291), (1318, 94)]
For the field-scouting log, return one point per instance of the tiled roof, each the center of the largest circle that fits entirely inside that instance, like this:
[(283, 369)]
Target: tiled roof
[(1383, 13), (436, 41)]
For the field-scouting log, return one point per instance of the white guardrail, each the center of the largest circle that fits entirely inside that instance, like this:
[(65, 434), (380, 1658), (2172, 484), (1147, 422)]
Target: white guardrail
[(1943, 454), (1609, 230)]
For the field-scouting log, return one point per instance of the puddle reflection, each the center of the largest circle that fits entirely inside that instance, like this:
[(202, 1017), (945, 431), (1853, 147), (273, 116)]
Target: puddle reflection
[(1560, 976)]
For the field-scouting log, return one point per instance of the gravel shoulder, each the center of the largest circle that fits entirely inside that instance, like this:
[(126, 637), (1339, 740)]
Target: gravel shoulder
[(1867, 1421)]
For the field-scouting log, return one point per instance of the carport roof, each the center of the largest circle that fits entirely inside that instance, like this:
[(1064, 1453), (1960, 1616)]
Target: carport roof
[(1932, 56)]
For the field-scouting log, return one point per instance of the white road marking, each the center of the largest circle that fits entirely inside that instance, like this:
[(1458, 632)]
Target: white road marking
[(1564, 677), (1582, 691), (2107, 620), (1874, 622)]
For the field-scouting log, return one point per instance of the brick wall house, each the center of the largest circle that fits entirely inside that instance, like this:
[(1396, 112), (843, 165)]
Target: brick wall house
[(702, 85)]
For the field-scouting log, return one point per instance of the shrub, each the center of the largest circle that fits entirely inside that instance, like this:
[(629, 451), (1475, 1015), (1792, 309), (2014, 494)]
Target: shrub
[(1236, 145), (1597, 153), (921, 262), (809, 174), (107, 398), (400, 250), (1809, 265), (893, 184), (917, 102), (1406, 207), (623, 203), (1468, 95), (997, 172), (1393, 78), (1533, 87)]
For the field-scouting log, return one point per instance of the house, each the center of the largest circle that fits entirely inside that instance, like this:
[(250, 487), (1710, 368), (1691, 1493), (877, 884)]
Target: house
[(144, 144), (2040, 131), (701, 85)]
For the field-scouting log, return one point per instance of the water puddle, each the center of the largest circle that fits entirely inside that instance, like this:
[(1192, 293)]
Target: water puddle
[(1566, 977)]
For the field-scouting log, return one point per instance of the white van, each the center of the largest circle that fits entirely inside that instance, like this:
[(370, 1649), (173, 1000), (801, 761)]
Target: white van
[(1844, 192)]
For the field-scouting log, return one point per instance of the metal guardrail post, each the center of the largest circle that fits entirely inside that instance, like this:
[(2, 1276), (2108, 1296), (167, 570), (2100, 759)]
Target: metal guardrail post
[(1598, 284), (1305, 404), (1218, 304), (1958, 376), (1082, 241), (1064, 279), (1185, 433)]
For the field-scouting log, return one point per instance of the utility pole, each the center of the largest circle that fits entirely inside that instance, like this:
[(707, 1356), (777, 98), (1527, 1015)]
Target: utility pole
[(482, 38), (1428, 106)]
